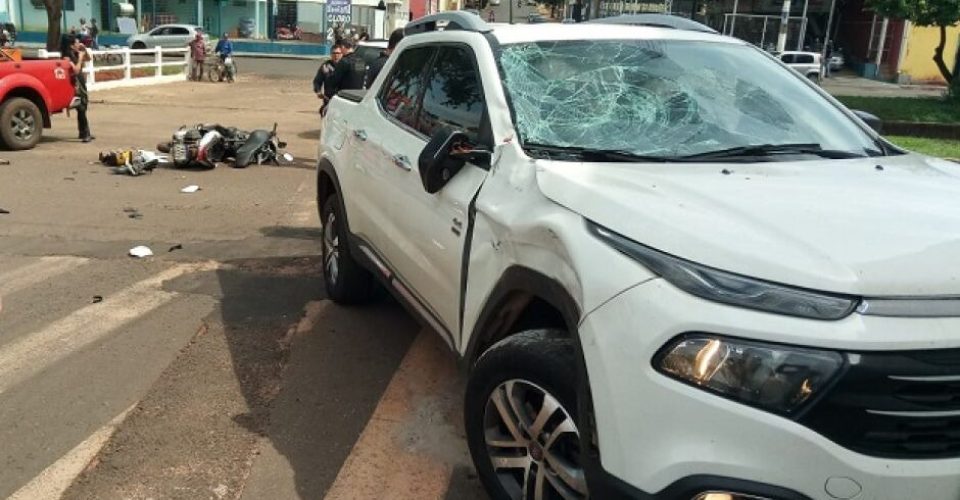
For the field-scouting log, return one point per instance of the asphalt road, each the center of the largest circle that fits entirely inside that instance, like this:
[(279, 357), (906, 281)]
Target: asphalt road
[(216, 368)]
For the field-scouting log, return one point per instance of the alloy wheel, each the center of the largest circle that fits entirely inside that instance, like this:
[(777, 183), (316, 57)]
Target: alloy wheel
[(23, 125), (331, 249), (533, 443)]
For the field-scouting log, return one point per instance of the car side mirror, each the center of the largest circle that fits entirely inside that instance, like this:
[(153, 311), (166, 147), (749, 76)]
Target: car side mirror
[(871, 120), (444, 156)]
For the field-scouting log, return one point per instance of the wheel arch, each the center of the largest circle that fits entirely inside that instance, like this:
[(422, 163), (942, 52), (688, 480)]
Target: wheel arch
[(522, 299)]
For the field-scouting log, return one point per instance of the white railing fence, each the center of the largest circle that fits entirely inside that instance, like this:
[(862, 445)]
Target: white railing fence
[(107, 60)]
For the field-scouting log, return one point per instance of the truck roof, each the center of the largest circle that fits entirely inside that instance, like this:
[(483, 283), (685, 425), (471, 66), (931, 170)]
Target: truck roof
[(519, 33)]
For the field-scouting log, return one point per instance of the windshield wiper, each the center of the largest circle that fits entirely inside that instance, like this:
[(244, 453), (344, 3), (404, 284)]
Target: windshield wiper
[(760, 150), (592, 154)]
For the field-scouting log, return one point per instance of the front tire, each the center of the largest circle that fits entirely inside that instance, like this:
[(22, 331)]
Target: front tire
[(21, 124), (346, 281), (521, 420)]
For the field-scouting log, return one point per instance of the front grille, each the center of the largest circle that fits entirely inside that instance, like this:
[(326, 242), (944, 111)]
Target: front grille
[(894, 404)]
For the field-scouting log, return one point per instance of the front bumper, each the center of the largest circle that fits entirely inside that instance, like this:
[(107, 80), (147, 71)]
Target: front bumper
[(654, 431)]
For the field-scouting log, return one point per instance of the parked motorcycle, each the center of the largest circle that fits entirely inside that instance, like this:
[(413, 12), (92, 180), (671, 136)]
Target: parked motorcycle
[(289, 32)]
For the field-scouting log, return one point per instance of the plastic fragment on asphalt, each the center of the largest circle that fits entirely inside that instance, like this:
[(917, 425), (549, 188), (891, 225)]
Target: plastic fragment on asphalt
[(2, 211), (193, 188), (97, 299), (140, 252), (175, 247)]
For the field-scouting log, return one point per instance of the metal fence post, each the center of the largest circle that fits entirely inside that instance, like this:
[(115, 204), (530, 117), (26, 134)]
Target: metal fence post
[(158, 60), (126, 64)]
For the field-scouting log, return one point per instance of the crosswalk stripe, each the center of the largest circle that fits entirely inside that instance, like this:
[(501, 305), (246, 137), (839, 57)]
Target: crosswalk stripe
[(55, 479), (38, 350), (383, 464), (36, 272)]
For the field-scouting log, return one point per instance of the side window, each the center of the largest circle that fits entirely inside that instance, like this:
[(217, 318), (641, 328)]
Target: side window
[(787, 58), (804, 59), (400, 97), (179, 31), (453, 96), (158, 32)]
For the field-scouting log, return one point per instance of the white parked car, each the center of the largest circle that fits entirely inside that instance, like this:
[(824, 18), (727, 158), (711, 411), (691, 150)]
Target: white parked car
[(167, 35), (667, 277), (370, 51), (805, 63)]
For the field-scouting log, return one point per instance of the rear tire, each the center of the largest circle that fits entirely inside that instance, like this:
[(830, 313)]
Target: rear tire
[(21, 124), (347, 282), (521, 411)]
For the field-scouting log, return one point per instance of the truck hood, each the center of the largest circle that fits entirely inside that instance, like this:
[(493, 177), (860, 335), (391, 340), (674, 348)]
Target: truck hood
[(887, 226)]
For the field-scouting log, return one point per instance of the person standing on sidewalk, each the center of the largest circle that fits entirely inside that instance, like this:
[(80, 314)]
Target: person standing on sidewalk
[(198, 54), (94, 35), (324, 74), (71, 48)]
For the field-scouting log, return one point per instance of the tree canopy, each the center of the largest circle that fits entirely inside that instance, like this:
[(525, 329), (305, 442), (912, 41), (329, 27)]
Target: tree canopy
[(937, 13)]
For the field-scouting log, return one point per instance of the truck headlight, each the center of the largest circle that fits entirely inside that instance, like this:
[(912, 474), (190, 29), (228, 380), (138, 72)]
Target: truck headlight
[(773, 377), (729, 288)]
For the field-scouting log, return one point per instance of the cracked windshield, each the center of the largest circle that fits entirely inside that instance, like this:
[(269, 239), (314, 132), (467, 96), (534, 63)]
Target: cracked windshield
[(667, 99)]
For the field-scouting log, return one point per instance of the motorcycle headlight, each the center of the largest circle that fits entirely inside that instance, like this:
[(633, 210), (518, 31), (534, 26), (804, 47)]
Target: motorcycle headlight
[(776, 378), (729, 288)]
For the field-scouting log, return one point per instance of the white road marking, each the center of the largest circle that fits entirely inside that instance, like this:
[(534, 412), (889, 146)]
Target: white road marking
[(41, 270), (34, 352), (55, 479)]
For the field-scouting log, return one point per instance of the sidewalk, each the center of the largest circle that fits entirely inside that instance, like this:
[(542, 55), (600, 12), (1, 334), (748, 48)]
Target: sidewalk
[(847, 84)]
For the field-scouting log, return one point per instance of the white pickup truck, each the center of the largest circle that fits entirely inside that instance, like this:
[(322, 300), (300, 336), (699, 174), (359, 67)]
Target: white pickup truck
[(672, 267)]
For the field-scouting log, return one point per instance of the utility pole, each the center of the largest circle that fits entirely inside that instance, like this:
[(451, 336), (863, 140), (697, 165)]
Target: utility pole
[(803, 26), (784, 19), (826, 39), (510, 2)]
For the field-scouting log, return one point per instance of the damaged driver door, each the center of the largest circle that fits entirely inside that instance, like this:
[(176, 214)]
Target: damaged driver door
[(427, 234)]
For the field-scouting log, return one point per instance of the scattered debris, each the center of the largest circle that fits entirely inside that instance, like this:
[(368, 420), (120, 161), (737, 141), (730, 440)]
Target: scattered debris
[(97, 299), (175, 247), (726, 171), (193, 188), (132, 213), (2, 211), (879, 168), (69, 178), (140, 252), (4, 161)]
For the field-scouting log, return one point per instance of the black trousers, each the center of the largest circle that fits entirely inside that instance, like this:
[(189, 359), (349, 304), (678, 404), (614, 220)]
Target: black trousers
[(82, 124)]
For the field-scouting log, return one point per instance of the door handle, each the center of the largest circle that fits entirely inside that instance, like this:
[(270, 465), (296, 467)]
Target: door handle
[(402, 161), (360, 134)]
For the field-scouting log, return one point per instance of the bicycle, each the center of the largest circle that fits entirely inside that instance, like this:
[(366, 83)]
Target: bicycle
[(222, 70)]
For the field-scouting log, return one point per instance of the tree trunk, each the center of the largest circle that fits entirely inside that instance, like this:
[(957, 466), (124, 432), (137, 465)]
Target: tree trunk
[(54, 12), (938, 58)]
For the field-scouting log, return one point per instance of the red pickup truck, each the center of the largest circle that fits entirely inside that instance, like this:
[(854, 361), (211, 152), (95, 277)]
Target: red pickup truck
[(30, 92)]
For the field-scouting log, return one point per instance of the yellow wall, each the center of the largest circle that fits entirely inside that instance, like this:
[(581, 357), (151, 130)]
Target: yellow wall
[(918, 59)]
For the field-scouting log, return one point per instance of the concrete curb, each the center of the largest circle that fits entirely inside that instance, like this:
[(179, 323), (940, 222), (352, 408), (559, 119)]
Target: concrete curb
[(923, 129), (260, 55)]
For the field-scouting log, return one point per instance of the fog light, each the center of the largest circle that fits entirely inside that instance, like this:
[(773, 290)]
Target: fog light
[(726, 495)]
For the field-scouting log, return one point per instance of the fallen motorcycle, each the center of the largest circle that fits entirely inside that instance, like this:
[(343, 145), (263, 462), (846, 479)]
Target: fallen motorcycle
[(205, 145)]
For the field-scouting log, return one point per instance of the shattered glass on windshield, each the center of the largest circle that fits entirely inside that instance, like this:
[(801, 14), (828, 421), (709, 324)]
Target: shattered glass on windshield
[(664, 98)]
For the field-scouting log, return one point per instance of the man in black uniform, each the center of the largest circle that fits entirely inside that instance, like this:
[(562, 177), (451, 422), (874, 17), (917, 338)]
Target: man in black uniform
[(349, 72), (374, 69)]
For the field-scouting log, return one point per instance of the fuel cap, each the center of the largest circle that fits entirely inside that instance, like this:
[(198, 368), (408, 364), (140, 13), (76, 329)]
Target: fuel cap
[(842, 488)]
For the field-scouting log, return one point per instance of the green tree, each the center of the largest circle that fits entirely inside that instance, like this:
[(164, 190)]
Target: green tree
[(54, 10), (939, 13)]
